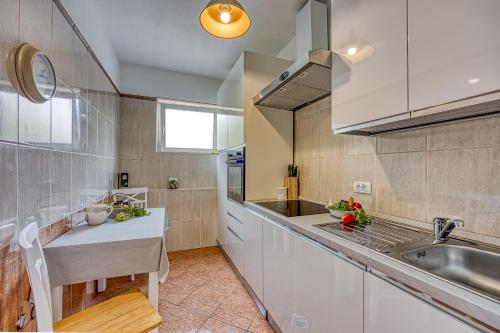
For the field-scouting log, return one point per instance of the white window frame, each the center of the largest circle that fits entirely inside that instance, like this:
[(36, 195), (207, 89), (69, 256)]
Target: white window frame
[(185, 106)]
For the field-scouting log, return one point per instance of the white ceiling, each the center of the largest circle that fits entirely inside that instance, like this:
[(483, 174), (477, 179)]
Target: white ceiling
[(165, 34)]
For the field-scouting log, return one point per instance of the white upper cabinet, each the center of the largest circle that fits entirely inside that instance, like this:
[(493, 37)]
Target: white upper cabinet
[(235, 130), (453, 50), (222, 139), (388, 309), (230, 99), (369, 74)]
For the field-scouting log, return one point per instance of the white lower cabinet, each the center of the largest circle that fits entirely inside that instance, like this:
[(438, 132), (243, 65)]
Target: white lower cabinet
[(278, 273), (389, 309), (253, 264), (307, 288), (328, 291)]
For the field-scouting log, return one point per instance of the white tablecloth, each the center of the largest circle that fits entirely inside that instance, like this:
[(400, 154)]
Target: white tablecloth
[(111, 249)]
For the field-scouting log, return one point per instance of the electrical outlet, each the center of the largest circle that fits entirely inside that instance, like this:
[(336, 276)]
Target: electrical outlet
[(363, 187)]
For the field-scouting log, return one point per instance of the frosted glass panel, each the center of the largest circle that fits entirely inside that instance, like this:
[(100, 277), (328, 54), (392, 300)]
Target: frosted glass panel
[(189, 129)]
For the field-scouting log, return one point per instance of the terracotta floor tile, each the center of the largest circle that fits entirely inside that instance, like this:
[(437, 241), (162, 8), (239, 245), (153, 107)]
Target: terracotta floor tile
[(232, 316), (221, 285), (260, 325), (215, 326), (194, 279), (202, 294), (241, 305), (175, 293), (203, 300), (179, 320)]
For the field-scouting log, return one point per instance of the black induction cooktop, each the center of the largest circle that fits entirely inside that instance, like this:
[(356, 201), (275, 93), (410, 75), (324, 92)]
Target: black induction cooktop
[(291, 208)]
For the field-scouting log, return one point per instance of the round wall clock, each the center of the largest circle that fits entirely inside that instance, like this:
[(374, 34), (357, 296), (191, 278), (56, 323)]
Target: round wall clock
[(31, 73)]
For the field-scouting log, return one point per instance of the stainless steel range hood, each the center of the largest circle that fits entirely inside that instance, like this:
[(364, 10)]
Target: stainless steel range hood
[(304, 82)]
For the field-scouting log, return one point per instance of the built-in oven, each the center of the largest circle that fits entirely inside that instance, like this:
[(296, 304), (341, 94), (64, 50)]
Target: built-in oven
[(236, 174)]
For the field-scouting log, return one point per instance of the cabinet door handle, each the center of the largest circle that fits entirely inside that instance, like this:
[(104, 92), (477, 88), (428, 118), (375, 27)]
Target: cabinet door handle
[(234, 217), (429, 300), (235, 234)]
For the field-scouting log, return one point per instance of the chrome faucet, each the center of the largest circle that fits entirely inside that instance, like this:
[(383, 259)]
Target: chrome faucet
[(443, 227)]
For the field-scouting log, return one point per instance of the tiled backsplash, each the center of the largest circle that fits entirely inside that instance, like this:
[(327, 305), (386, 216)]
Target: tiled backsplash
[(191, 208), (446, 170), (56, 157)]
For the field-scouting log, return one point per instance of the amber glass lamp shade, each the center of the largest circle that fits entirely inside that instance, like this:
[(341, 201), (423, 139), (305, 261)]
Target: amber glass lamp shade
[(225, 19)]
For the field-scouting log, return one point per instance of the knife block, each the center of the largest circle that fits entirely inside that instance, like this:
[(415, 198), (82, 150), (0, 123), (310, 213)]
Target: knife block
[(292, 185)]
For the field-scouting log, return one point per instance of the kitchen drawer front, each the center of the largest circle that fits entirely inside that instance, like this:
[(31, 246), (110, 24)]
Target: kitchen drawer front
[(235, 248), (236, 224)]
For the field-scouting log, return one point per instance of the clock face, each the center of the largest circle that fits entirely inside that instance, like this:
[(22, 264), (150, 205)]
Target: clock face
[(44, 76)]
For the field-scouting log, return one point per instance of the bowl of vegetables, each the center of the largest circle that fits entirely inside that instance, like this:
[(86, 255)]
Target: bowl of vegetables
[(349, 212), (124, 212), (339, 208)]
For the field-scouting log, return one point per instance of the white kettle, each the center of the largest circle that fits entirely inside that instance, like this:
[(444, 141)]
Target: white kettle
[(97, 214)]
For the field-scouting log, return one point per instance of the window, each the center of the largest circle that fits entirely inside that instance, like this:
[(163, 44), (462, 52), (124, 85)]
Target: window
[(186, 127)]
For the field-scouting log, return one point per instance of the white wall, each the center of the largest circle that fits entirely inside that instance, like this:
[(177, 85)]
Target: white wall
[(89, 21), (146, 81), (289, 52)]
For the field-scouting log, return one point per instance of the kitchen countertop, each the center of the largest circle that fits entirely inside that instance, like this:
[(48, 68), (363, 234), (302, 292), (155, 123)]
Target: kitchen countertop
[(453, 295)]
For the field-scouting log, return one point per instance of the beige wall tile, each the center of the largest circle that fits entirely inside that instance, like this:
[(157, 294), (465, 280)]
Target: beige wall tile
[(359, 145), (207, 171), (208, 232), (148, 145), (208, 202), (401, 185), (330, 178), (309, 177), (154, 199), (150, 172), (464, 183), (148, 115), (183, 166), (130, 113), (329, 144), (190, 234), (191, 205), (400, 142), (130, 143), (172, 199), (307, 133), (359, 168), (474, 133), (174, 236)]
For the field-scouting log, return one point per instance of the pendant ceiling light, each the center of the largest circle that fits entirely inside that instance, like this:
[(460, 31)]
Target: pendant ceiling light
[(225, 19)]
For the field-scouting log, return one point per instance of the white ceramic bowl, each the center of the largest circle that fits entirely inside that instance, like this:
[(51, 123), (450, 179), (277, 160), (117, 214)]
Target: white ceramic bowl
[(97, 214), (339, 213)]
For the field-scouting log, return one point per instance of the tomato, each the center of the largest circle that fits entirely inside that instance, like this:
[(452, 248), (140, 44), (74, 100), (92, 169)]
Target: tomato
[(347, 218), (357, 205)]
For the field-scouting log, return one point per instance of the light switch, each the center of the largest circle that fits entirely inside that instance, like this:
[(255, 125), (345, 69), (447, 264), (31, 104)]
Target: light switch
[(362, 187)]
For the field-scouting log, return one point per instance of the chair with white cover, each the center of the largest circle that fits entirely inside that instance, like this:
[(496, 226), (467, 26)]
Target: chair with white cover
[(128, 312), (137, 197)]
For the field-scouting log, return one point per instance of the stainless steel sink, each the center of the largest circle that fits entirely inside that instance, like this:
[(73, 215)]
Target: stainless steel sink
[(472, 266)]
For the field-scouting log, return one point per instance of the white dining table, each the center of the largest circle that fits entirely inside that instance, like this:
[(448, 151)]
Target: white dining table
[(87, 253)]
